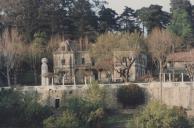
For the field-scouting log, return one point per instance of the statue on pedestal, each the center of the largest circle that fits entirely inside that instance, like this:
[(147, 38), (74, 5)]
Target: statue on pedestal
[(44, 72)]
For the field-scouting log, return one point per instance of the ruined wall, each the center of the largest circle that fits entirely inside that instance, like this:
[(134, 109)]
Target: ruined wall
[(173, 94)]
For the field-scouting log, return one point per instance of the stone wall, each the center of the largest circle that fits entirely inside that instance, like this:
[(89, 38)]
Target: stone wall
[(173, 94)]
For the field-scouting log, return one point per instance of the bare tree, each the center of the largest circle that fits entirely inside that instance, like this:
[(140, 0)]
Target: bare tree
[(111, 48), (34, 53), (161, 43), (125, 62), (11, 48), (53, 44)]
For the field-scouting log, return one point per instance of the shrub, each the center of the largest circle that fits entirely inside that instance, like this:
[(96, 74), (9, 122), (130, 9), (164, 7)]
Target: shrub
[(19, 110), (90, 114), (67, 120), (33, 112), (10, 108), (130, 95), (87, 110), (156, 115), (95, 94)]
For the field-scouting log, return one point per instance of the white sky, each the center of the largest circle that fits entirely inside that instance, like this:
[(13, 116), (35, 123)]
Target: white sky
[(119, 5)]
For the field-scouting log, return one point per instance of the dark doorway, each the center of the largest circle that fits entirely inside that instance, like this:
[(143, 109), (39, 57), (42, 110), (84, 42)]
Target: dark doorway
[(95, 74), (57, 103)]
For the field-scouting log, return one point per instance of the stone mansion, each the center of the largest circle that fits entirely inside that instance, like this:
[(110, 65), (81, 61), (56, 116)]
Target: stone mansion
[(73, 64)]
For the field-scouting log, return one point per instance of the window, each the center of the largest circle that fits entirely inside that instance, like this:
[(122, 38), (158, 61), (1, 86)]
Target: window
[(83, 60), (63, 61), (93, 61)]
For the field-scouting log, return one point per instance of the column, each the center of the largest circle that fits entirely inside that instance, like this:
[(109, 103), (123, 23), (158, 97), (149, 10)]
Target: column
[(74, 83), (63, 80), (164, 77), (182, 76), (170, 79), (85, 80), (52, 81)]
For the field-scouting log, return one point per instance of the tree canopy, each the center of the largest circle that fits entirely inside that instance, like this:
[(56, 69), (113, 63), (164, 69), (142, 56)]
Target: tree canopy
[(109, 46), (181, 25), (153, 16)]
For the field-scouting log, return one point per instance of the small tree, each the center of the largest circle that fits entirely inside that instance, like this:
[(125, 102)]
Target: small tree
[(130, 95), (161, 43), (156, 115), (95, 94)]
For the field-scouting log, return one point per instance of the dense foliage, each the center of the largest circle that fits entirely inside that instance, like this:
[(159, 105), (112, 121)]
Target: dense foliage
[(130, 95), (153, 16), (81, 112), (21, 110), (156, 115)]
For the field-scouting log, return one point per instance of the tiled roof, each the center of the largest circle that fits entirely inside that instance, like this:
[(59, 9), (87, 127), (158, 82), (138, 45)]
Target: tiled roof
[(182, 56)]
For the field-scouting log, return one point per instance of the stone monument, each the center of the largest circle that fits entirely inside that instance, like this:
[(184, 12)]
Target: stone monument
[(44, 72)]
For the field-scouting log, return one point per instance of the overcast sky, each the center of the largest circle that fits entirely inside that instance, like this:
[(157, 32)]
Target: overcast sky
[(119, 5)]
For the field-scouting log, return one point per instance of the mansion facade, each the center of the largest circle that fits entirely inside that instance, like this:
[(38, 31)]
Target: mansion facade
[(72, 63)]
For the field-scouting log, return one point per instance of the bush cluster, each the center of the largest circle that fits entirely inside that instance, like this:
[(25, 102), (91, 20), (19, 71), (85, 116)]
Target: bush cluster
[(21, 110), (130, 95), (156, 115)]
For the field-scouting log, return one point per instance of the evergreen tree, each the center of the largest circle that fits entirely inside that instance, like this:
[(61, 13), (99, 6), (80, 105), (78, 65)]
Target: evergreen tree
[(107, 20), (181, 25), (182, 21), (127, 20), (153, 16), (26, 18), (84, 17)]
